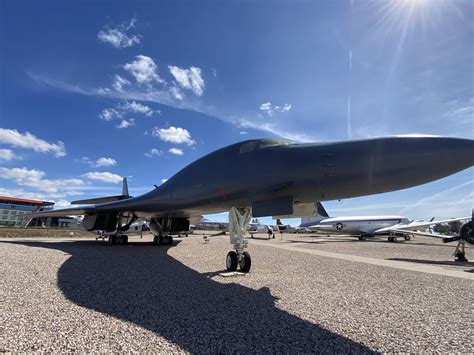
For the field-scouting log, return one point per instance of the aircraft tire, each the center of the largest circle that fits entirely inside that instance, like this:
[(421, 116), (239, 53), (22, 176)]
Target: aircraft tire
[(231, 261), (170, 240), (124, 239), (407, 237), (112, 240), (246, 262)]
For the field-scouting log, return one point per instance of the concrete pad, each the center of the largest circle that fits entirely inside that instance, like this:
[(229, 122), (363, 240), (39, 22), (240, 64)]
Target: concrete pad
[(429, 269)]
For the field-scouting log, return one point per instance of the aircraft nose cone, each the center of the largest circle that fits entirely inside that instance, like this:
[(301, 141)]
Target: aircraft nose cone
[(431, 158), (449, 154)]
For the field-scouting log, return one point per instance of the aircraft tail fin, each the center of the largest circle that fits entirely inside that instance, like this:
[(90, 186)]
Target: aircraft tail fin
[(318, 216), (125, 187), (125, 195), (279, 222)]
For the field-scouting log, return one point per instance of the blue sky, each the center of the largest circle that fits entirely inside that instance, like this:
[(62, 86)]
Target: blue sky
[(91, 91)]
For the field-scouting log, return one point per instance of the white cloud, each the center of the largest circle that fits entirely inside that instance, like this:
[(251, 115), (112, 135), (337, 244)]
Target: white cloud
[(176, 92), (29, 141), (269, 109), (105, 162), (119, 83), (286, 107), (34, 178), (122, 109), (164, 98), (108, 114), (154, 152), (6, 154), (137, 108), (99, 162), (119, 37), (190, 79), (126, 124), (104, 176), (176, 151), (164, 180), (266, 106), (175, 135), (243, 132), (143, 69), (62, 203)]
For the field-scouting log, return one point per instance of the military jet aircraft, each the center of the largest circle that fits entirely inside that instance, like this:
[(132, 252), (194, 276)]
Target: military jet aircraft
[(296, 175), (365, 227)]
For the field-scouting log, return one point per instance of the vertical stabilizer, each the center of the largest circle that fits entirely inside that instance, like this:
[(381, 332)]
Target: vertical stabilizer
[(318, 216), (125, 187)]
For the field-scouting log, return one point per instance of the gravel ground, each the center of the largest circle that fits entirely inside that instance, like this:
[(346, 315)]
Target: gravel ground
[(80, 295)]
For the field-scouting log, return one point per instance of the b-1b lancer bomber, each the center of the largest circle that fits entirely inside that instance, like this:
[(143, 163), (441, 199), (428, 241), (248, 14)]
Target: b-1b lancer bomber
[(295, 177)]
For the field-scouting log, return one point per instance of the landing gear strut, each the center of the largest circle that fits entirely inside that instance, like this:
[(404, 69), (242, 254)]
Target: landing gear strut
[(459, 253), (239, 218)]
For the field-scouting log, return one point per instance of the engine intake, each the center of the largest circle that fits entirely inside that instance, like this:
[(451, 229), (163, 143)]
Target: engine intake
[(105, 222)]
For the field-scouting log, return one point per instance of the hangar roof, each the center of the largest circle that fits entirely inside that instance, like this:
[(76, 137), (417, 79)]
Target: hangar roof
[(24, 200)]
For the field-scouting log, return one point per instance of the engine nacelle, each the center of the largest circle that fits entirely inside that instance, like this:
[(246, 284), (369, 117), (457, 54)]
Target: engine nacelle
[(169, 225), (105, 222)]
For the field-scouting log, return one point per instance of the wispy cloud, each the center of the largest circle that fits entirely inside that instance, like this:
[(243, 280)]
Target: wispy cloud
[(190, 79), (100, 162), (154, 153), (121, 110), (104, 176), (120, 36), (269, 109), (7, 154), (29, 141), (35, 179), (454, 200), (126, 123), (165, 96)]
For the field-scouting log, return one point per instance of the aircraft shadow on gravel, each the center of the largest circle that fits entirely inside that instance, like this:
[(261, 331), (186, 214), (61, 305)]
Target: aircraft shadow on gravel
[(146, 286)]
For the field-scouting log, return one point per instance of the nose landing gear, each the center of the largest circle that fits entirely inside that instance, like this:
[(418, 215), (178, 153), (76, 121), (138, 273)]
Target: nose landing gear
[(239, 219)]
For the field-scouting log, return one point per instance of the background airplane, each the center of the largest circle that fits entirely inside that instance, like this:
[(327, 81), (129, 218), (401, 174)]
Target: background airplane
[(295, 177), (365, 227)]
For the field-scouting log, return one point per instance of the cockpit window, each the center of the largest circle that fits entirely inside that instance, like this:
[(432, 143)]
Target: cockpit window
[(260, 144), (248, 147), (271, 143)]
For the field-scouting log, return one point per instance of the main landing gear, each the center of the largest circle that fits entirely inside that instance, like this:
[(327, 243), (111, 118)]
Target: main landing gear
[(162, 240), (239, 218), (117, 239)]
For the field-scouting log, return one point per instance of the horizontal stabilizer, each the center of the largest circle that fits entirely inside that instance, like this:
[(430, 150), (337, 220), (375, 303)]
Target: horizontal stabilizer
[(98, 200), (95, 201)]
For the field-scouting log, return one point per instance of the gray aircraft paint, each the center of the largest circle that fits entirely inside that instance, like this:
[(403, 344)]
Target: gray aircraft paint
[(233, 176)]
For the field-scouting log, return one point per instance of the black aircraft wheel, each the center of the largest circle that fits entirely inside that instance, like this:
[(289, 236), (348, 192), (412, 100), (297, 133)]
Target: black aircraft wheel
[(170, 240), (155, 240), (124, 239), (231, 261), (160, 240), (112, 239), (460, 257), (245, 262), (407, 237)]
